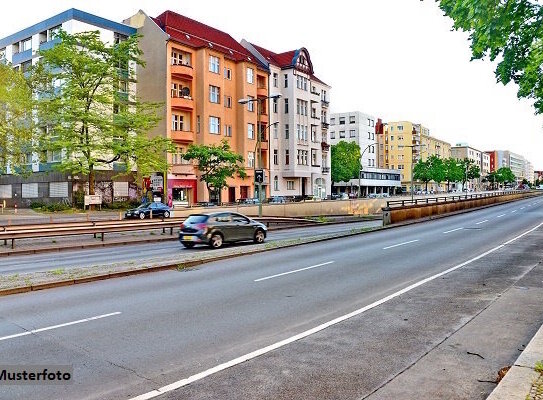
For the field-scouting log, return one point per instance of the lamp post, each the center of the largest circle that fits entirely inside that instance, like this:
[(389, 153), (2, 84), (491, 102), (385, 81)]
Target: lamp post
[(362, 167), (259, 100)]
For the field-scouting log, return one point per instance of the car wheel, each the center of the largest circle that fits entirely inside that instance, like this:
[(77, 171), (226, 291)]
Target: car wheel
[(259, 236), (216, 241), (166, 214), (188, 245), (142, 216)]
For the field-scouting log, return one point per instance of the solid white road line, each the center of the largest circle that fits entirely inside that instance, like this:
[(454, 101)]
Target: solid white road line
[(481, 222), (48, 328), (452, 230), (501, 215), (293, 272), (267, 349), (400, 244)]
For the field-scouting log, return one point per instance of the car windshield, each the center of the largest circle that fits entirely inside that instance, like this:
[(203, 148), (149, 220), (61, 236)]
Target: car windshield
[(196, 219), (143, 206)]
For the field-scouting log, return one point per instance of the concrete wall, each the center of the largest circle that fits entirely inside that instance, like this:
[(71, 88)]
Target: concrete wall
[(427, 210)]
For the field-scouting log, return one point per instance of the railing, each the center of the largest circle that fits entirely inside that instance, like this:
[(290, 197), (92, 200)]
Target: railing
[(325, 125), (446, 199), (325, 170)]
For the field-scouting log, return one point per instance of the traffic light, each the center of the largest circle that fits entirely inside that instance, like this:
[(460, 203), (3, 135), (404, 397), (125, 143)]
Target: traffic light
[(259, 175)]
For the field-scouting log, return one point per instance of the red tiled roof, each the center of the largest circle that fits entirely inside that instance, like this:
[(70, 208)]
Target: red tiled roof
[(201, 35), (282, 60)]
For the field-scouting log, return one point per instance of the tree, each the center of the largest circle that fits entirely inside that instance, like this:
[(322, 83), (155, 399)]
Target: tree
[(453, 171), (216, 163), (492, 178), (504, 175), (345, 161), (469, 170), (437, 169), (509, 31), (422, 172), (15, 120), (87, 111)]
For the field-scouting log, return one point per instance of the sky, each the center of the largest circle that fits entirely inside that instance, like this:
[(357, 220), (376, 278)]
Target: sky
[(394, 59)]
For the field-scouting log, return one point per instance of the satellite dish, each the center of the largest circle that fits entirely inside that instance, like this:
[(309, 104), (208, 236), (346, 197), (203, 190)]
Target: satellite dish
[(185, 92)]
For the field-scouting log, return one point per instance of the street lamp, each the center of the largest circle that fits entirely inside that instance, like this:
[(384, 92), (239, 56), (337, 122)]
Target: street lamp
[(362, 167), (259, 141)]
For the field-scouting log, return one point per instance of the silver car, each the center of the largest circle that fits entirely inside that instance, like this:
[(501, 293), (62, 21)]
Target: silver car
[(215, 229)]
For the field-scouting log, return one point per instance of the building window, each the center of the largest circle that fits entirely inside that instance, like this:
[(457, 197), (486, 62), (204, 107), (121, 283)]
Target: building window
[(177, 122), (286, 80), (400, 127), (352, 133), (214, 64), (251, 131), (214, 94), (227, 73), (250, 75), (275, 79), (26, 44), (275, 157), (228, 101), (341, 134), (250, 104), (342, 120), (290, 185), (251, 159), (286, 131), (314, 158), (352, 119), (215, 125), (228, 130), (287, 157), (332, 134), (286, 106), (274, 105), (275, 131), (332, 121), (275, 183), (197, 124)]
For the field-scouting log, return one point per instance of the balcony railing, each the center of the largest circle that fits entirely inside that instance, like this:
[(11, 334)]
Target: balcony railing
[(325, 102), (185, 103), (325, 170), (182, 136), (325, 146), (325, 125), (182, 70)]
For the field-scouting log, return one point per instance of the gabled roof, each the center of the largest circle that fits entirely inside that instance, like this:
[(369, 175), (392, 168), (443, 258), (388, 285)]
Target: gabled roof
[(285, 60), (197, 35)]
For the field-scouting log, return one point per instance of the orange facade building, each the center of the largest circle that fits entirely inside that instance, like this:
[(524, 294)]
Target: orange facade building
[(198, 74)]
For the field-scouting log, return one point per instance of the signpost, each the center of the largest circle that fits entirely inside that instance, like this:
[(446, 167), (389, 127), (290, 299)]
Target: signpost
[(93, 199)]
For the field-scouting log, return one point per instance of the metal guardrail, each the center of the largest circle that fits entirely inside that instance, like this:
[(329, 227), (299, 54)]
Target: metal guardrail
[(13, 232), (446, 199)]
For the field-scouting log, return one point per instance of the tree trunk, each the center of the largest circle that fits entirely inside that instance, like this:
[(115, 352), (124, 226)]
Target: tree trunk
[(448, 186), (91, 184), (426, 187)]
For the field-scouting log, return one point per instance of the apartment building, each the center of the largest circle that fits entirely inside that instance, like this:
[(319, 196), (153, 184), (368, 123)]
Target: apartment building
[(21, 49), (299, 148), (479, 158), (359, 127), (529, 171), (199, 73), (402, 143)]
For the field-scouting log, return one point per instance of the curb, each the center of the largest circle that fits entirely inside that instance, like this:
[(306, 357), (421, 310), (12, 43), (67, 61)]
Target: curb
[(193, 263), (517, 382)]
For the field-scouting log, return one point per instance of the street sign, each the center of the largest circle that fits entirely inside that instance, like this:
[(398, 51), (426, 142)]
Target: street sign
[(259, 175)]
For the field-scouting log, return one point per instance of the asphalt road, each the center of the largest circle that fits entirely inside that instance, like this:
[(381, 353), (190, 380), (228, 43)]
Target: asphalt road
[(157, 329), (145, 251)]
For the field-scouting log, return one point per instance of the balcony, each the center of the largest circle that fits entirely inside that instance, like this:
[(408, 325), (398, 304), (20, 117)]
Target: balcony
[(325, 146), (183, 103), (182, 169), (262, 91), (182, 71), (264, 145), (182, 136), (315, 92), (49, 44), (325, 170), (325, 125), (23, 56), (325, 103)]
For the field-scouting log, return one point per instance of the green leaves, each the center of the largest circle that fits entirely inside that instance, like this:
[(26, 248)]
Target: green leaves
[(510, 31), (216, 164), (345, 161)]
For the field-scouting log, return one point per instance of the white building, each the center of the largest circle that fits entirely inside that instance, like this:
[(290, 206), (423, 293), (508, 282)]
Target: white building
[(479, 158), (21, 49), (299, 148)]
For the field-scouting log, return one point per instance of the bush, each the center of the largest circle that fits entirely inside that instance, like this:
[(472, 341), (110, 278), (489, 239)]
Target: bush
[(37, 205), (121, 205), (52, 207)]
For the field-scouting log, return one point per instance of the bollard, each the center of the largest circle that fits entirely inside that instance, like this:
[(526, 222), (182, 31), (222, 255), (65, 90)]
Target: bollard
[(15, 208), (120, 216), (386, 216)]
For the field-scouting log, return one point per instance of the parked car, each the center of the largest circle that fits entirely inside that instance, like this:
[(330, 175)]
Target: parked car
[(144, 211), (277, 200), (215, 229)]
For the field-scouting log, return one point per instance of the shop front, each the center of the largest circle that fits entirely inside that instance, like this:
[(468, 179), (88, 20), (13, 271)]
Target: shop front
[(182, 192)]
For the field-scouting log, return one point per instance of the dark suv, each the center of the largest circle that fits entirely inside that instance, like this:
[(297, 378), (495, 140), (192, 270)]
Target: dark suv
[(217, 228)]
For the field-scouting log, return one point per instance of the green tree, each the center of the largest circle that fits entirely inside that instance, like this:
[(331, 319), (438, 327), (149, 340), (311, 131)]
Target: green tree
[(453, 171), (469, 170), (88, 112), (345, 161), (216, 164), (437, 169), (16, 126), (422, 172), (504, 175), (492, 178), (509, 31)]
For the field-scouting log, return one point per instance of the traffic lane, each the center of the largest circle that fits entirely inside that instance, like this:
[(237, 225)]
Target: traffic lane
[(317, 299), (145, 252)]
